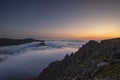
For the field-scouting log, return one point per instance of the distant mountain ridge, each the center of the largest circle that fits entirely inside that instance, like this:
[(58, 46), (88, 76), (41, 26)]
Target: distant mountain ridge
[(9, 42), (93, 61)]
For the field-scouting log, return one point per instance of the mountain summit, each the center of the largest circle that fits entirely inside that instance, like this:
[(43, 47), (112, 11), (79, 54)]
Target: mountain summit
[(93, 61)]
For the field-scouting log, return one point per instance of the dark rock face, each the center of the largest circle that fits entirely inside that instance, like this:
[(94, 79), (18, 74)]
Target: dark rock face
[(93, 61), (9, 42), (42, 43)]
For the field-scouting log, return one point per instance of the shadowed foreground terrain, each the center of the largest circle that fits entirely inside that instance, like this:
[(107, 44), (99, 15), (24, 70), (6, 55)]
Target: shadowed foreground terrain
[(93, 61)]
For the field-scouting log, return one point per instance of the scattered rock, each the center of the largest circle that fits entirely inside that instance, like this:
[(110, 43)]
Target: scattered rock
[(103, 64)]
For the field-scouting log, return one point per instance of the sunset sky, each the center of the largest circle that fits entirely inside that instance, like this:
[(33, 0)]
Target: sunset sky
[(60, 19)]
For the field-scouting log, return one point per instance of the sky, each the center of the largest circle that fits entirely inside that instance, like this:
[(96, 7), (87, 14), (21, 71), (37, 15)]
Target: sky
[(60, 19)]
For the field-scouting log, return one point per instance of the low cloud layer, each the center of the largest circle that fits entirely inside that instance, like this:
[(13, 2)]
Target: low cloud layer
[(29, 60)]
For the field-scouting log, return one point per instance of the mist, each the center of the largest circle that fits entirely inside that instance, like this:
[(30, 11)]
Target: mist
[(25, 62)]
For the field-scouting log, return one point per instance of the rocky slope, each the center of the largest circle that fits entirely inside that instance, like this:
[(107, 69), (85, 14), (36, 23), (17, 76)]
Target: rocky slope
[(93, 61)]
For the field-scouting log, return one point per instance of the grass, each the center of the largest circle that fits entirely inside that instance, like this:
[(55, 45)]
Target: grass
[(111, 71)]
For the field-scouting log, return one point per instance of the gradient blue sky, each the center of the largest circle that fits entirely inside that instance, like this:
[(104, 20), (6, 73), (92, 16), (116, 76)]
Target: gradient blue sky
[(60, 19)]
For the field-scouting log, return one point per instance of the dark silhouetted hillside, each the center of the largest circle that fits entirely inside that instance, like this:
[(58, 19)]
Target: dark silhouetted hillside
[(9, 42)]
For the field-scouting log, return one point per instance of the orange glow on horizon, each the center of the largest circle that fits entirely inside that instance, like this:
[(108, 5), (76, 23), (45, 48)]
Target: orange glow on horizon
[(87, 37), (93, 29)]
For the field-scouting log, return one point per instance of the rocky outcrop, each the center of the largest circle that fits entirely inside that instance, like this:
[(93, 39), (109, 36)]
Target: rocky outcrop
[(93, 61), (42, 43)]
